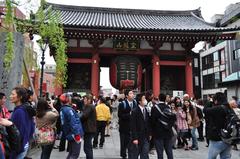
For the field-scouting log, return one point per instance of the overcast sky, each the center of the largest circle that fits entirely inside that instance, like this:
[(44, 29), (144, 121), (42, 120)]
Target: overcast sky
[(208, 8)]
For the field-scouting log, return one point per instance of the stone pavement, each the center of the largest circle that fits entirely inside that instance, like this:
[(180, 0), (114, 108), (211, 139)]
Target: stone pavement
[(111, 151)]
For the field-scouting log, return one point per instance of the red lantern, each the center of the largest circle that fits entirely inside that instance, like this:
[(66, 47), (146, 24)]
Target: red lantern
[(126, 72)]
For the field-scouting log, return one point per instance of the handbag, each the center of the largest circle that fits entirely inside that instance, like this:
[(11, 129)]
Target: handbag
[(45, 135)]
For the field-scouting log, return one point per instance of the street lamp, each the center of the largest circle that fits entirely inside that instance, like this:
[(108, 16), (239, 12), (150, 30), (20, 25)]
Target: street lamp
[(43, 46)]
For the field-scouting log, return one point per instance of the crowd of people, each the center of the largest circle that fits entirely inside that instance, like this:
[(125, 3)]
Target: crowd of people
[(145, 123)]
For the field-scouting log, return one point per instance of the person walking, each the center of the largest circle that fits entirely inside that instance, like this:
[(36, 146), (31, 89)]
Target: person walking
[(140, 129), (88, 118), (72, 129), (23, 121), (46, 118), (163, 136), (217, 120), (115, 105), (124, 111), (103, 117)]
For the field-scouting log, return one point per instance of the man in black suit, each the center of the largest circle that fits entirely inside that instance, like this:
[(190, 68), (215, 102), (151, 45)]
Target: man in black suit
[(124, 112), (140, 129)]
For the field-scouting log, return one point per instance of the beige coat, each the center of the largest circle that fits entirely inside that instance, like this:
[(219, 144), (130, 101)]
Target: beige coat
[(49, 118)]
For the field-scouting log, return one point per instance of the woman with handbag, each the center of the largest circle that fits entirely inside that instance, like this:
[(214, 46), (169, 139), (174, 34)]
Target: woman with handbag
[(46, 125)]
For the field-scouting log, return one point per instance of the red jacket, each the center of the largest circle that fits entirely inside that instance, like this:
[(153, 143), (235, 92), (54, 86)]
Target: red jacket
[(4, 112)]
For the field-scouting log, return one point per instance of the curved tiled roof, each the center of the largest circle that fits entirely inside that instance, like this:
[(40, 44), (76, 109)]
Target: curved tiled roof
[(132, 19)]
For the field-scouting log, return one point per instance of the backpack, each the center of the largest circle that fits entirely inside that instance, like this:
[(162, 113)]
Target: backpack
[(14, 138), (167, 118), (125, 104), (11, 139), (29, 109), (230, 134)]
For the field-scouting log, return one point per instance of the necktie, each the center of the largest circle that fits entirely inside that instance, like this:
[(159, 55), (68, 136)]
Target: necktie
[(144, 114), (131, 105)]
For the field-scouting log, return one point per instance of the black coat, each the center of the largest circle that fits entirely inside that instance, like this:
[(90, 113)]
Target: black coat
[(124, 112), (216, 116), (158, 130), (140, 128)]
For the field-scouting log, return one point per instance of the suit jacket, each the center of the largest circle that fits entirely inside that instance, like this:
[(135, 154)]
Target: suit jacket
[(140, 128), (124, 112)]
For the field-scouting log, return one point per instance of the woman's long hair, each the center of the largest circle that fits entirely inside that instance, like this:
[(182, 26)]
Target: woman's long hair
[(42, 108), (190, 107)]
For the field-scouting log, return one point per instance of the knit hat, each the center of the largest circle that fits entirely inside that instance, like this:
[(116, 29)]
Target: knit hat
[(64, 98)]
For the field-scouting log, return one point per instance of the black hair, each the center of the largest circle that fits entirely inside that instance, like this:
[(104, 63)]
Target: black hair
[(220, 98), (139, 97), (235, 98), (102, 99), (200, 102), (177, 104), (29, 93), (162, 97), (126, 92), (22, 94), (42, 107), (190, 106), (74, 94), (115, 96), (52, 97), (2, 95)]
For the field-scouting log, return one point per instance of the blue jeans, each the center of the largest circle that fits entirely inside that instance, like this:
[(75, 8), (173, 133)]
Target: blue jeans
[(141, 149), (164, 144), (24, 153), (2, 156), (46, 151), (88, 145), (194, 138), (219, 148)]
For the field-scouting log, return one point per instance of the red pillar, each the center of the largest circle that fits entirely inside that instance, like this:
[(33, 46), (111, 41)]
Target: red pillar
[(95, 75), (156, 75), (189, 77)]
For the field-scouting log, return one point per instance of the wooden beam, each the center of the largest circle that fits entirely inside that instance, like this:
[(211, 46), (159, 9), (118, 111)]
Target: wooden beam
[(173, 63), (79, 60)]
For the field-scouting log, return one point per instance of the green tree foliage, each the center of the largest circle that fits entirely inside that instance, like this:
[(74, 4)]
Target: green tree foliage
[(51, 32), (9, 55), (47, 26)]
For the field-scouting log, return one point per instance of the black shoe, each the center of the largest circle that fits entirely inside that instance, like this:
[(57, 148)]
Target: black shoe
[(101, 146), (107, 135), (27, 158), (200, 139), (95, 147)]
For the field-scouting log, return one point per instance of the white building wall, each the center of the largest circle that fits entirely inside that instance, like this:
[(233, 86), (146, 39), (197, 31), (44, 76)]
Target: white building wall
[(212, 91), (233, 91)]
